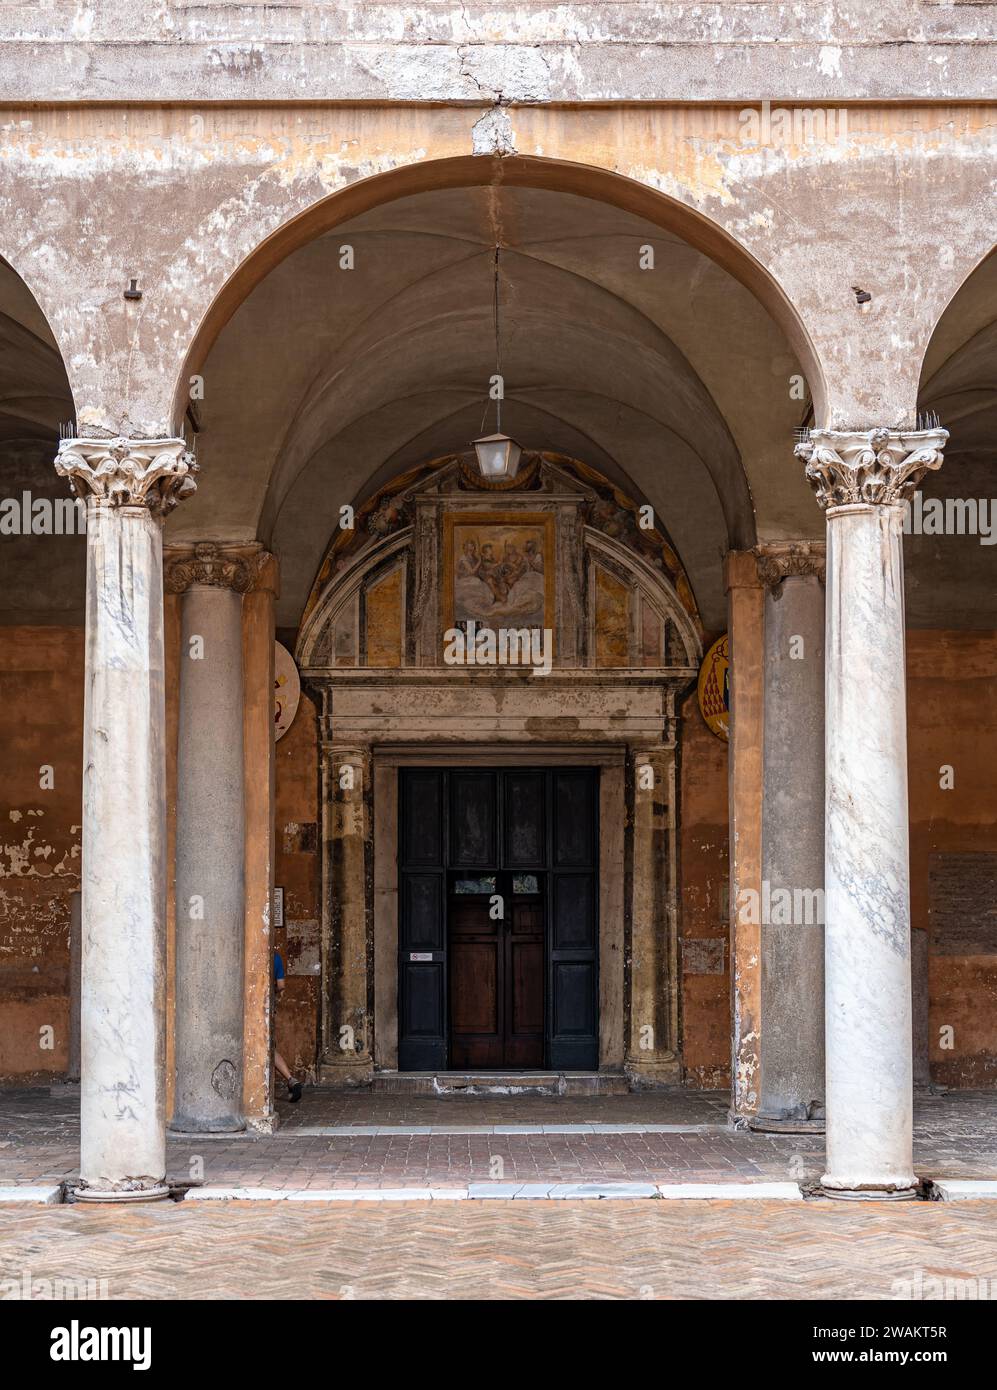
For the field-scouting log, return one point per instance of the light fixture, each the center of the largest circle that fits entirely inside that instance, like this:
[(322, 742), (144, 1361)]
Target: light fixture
[(498, 455)]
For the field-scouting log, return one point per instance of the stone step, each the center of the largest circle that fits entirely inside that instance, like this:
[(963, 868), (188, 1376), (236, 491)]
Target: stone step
[(494, 1083)]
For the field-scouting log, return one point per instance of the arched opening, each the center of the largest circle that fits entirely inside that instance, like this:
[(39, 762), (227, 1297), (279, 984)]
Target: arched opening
[(951, 601), (637, 341), (42, 560)]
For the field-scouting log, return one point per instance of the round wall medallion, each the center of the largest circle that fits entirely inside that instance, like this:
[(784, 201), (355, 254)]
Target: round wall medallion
[(286, 690), (714, 688)]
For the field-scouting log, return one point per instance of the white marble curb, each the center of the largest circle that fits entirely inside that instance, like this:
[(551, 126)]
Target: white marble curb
[(387, 1131), (508, 1191), (964, 1190), (732, 1191), (25, 1192)]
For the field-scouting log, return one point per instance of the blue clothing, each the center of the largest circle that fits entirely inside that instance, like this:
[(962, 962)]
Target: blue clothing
[(278, 966)]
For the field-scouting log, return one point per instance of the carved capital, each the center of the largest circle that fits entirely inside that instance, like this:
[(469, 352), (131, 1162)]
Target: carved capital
[(153, 473), (869, 467), (779, 560), (238, 567)]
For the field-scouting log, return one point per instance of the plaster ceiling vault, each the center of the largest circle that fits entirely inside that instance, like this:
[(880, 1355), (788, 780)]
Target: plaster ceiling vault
[(41, 577), (951, 580), (674, 382)]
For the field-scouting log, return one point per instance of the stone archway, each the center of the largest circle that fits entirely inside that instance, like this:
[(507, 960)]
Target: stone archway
[(626, 642)]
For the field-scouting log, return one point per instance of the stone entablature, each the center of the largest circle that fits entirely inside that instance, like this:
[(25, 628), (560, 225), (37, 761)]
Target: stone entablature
[(444, 706)]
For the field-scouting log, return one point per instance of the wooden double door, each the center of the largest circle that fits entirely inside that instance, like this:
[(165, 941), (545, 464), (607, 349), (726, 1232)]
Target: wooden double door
[(498, 922)]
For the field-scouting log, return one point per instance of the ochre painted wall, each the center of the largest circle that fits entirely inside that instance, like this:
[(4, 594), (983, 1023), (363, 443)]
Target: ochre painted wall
[(41, 725), (952, 721)]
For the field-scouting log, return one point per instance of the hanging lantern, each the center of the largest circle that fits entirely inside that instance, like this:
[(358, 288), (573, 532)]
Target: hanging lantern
[(498, 457)]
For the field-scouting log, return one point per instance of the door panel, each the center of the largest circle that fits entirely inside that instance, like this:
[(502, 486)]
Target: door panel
[(518, 990), (573, 987), (476, 969), (524, 819), (524, 945), (473, 819)]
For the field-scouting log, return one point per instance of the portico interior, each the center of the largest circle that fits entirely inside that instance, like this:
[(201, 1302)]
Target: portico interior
[(656, 383)]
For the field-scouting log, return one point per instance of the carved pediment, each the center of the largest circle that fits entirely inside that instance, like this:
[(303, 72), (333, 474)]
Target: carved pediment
[(560, 551)]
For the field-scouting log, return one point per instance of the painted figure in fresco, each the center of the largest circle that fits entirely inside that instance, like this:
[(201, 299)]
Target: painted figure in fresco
[(513, 567), (533, 557), (470, 561), (500, 580)]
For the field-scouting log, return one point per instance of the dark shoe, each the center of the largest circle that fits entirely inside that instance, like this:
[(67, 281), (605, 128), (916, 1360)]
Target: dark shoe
[(294, 1091)]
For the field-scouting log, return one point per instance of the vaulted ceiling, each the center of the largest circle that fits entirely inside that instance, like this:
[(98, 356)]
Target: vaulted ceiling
[(673, 381)]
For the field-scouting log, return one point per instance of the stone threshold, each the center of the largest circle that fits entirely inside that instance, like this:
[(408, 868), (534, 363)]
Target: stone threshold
[(509, 1191), (497, 1083)]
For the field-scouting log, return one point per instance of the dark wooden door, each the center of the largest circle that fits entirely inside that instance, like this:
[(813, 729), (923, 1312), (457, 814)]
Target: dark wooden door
[(497, 918), (496, 956)]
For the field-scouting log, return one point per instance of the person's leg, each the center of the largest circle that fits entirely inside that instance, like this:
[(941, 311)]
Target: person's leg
[(293, 1086)]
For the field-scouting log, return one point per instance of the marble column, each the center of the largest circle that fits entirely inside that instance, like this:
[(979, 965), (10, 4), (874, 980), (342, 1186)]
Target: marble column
[(652, 1002), (210, 839), (129, 485), (791, 1094), (862, 480)]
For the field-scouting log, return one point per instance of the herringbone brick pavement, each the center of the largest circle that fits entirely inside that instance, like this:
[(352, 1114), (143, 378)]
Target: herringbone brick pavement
[(505, 1250)]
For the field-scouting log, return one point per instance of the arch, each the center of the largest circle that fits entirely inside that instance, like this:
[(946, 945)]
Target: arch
[(988, 260), (521, 171)]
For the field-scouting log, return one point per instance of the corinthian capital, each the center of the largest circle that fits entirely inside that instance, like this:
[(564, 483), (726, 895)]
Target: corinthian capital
[(779, 560), (153, 473), (869, 466), (237, 567)]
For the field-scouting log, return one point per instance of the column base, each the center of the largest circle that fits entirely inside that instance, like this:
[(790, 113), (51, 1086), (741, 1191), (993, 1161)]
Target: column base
[(346, 1070), (155, 1193), (869, 1194), (787, 1124), (646, 1074), (184, 1125)]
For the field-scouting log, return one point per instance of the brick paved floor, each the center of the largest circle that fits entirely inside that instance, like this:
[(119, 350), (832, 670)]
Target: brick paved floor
[(507, 1250), (956, 1136)]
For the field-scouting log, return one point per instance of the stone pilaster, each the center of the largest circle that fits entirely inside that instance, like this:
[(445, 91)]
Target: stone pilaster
[(347, 899), (652, 1013), (791, 1095), (129, 486), (746, 625), (862, 480), (210, 835)]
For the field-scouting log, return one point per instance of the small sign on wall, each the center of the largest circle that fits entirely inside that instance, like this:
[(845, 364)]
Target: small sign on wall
[(278, 907)]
